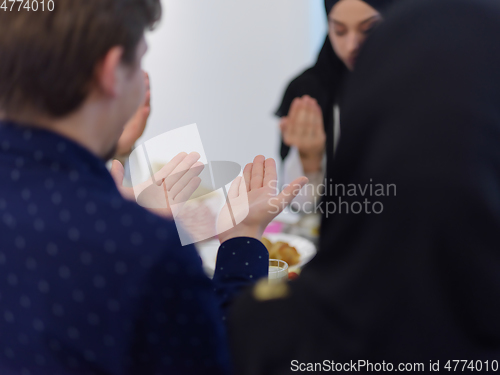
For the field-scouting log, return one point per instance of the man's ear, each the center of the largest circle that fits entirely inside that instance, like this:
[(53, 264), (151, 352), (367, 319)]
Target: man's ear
[(108, 72)]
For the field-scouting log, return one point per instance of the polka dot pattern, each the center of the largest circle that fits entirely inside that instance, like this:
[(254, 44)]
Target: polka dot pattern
[(98, 277), (240, 261)]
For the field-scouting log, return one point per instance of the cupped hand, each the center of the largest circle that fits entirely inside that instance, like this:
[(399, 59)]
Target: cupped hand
[(254, 201), (303, 128), (171, 187), (136, 125)]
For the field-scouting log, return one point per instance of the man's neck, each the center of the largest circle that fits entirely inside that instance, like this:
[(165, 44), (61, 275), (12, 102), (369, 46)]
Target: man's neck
[(83, 127)]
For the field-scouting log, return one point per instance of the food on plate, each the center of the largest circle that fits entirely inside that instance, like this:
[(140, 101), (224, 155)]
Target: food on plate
[(266, 243), (282, 251)]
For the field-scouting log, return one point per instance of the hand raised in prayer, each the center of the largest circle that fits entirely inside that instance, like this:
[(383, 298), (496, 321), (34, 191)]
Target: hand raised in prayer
[(254, 201), (303, 128), (136, 125), (171, 187)]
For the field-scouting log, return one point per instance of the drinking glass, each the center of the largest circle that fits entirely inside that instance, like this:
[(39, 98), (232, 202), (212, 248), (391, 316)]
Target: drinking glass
[(278, 271)]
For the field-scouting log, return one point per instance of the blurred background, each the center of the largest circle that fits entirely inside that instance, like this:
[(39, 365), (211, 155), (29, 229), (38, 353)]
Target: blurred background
[(224, 65)]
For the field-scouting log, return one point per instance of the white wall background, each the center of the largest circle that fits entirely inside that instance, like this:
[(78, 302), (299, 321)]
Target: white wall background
[(224, 64)]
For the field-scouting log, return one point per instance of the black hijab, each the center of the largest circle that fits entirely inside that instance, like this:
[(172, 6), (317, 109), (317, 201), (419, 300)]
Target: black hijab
[(380, 5), (421, 280), (323, 81)]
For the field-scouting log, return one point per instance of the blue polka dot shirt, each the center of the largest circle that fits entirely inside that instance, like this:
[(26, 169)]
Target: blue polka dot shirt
[(91, 283)]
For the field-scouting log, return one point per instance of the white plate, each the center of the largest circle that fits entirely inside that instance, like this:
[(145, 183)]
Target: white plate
[(288, 217), (208, 250)]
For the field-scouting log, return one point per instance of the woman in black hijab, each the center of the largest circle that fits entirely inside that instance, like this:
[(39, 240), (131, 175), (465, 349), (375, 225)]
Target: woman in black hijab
[(310, 129), (420, 281)]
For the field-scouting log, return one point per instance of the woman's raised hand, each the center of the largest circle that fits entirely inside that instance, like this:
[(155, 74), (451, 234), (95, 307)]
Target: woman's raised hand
[(303, 128)]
